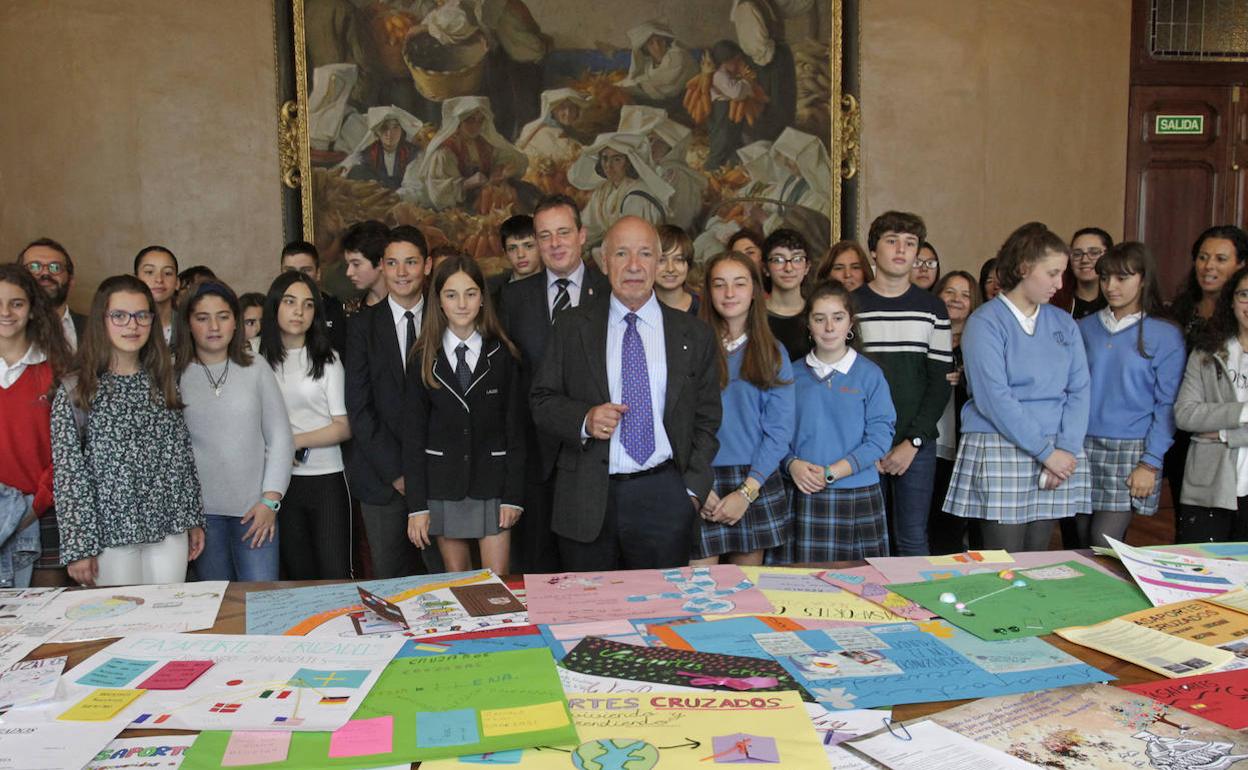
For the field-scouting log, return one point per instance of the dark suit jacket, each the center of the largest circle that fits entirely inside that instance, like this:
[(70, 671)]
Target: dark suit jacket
[(375, 385), (573, 378), (335, 321), (458, 445), (526, 319), (80, 322)]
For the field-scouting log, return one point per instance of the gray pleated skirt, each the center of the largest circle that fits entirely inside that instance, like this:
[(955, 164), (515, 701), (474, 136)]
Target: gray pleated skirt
[(467, 519)]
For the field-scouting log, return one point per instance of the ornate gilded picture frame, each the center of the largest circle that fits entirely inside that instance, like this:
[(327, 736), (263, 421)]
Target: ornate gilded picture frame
[(454, 114)]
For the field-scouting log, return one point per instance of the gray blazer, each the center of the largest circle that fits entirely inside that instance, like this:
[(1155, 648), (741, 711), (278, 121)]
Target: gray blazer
[(1207, 403), (572, 379)]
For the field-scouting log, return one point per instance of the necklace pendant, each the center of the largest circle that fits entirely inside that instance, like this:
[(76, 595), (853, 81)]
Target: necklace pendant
[(217, 391)]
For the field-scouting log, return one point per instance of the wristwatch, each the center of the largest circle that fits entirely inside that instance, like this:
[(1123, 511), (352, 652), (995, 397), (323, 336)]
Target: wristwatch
[(275, 505), (829, 475), (916, 441), (749, 494)]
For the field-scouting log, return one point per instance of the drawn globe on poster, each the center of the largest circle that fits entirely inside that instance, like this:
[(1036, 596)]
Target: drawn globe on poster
[(99, 609), (615, 754)]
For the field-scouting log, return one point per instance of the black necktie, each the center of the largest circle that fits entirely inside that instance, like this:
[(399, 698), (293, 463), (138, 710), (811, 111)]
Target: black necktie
[(411, 335), (562, 299), (463, 372)]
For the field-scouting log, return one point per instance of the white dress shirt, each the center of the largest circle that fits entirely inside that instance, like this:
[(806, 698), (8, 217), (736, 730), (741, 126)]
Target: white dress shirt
[(450, 342), (11, 374), (1113, 325), (400, 323), (650, 328), (1028, 322), (576, 281), (67, 326), (822, 370)]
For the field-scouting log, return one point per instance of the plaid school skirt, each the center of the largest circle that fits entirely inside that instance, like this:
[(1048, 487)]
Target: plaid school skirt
[(997, 481), (764, 525), (837, 525), (50, 537), (1110, 461)]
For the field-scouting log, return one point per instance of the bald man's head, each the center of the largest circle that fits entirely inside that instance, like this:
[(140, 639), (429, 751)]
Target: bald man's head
[(630, 251)]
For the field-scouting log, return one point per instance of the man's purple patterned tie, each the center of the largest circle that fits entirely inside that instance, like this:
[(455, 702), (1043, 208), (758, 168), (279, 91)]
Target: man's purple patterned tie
[(637, 424)]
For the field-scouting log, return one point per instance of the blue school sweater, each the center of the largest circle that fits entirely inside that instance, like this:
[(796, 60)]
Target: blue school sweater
[(844, 416), (757, 425), (1133, 396), (1028, 388)]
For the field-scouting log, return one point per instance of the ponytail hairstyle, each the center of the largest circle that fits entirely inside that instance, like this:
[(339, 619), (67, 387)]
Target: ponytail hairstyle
[(95, 350), (434, 324), (43, 328), (762, 363), (1133, 258), (834, 289), (315, 339), (184, 349)]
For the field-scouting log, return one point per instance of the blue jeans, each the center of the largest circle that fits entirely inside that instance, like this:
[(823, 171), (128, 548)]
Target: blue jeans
[(227, 556), (908, 498)]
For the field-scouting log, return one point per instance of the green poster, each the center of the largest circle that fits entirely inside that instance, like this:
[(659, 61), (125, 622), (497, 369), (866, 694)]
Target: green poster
[(420, 708), (1026, 602)]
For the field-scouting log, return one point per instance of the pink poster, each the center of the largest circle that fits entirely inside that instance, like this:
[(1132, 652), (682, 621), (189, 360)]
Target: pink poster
[(571, 597)]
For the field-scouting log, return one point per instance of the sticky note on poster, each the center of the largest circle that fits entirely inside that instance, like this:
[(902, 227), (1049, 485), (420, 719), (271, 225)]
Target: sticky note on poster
[(115, 672), (971, 557), (361, 737), (100, 705), (435, 729), (256, 747), (176, 675), (523, 719)]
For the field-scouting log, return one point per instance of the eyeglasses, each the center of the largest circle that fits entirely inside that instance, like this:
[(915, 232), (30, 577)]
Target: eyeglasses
[(1087, 256), (796, 260), (122, 317), (1241, 296), (929, 264), (55, 268)]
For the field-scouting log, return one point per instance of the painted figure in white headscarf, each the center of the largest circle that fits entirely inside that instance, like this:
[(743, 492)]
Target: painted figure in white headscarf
[(617, 168), (660, 66), (669, 143), (469, 165), (758, 164), (387, 151), (333, 124), (553, 134), (805, 172)]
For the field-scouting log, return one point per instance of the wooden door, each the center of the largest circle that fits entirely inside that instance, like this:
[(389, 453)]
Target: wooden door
[(1180, 183)]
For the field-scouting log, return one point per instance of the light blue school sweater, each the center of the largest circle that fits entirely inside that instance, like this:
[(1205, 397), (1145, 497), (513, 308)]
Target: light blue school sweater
[(757, 425), (1133, 396), (844, 417), (1028, 388)]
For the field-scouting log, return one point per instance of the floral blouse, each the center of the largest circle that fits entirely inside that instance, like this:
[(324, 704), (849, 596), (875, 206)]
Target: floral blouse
[(133, 480)]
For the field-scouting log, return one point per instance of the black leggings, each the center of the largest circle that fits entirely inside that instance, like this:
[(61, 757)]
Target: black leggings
[(315, 525), (1197, 524)]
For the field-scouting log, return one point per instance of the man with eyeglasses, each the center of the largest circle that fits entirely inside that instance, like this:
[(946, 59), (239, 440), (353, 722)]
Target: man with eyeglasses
[(53, 269)]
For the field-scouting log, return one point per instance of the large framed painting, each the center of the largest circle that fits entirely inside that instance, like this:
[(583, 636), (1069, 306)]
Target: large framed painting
[(453, 115)]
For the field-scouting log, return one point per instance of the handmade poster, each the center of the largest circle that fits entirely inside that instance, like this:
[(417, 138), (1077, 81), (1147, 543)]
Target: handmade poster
[(1236, 551), (250, 682), (911, 569), (728, 636), (799, 593), (30, 681), (926, 745), (1167, 577), (165, 752), (1162, 653), (22, 603), (1236, 599), (869, 583), (18, 641), (1097, 727), (1221, 697), (378, 610), (562, 637), (492, 640), (576, 597), (53, 745), (1034, 601), (427, 603), (897, 663), (575, 681), (104, 613), (431, 707), (675, 730), (662, 665)]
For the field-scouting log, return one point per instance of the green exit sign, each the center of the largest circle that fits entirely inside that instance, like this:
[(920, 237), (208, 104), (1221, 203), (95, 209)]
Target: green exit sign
[(1180, 124)]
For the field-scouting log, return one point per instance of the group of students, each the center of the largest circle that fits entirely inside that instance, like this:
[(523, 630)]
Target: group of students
[(864, 410)]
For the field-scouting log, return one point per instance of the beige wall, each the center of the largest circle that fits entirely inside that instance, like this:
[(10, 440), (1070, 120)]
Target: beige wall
[(136, 122), (984, 114)]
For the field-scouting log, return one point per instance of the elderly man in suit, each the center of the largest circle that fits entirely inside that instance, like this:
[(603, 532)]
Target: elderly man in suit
[(631, 390), (529, 309)]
